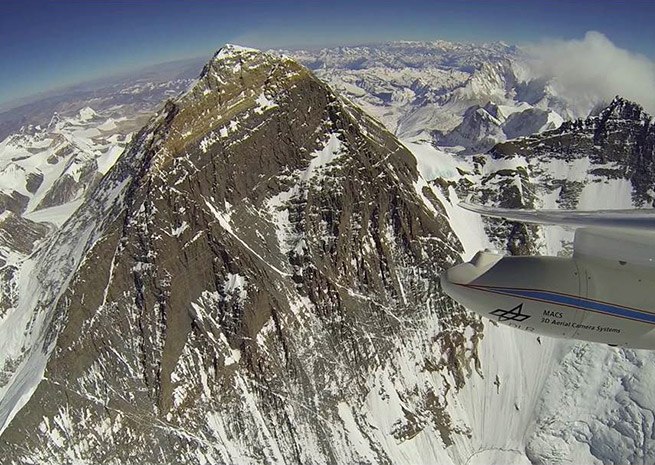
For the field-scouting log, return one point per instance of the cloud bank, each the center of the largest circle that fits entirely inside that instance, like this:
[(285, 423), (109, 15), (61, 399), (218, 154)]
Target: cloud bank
[(593, 70)]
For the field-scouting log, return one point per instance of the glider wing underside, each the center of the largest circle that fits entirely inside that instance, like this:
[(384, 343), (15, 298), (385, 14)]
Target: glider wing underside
[(618, 235), (636, 219)]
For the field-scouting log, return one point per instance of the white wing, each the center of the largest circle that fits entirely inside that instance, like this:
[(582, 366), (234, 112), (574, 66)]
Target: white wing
[(642, 220), (626, 236)]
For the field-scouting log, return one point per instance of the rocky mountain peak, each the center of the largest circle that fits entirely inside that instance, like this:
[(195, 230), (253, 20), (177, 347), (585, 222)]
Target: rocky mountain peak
[(619, 143), (237, 81), (253, 268), (623, 109), (235, 59), (229, 59), (260, 288)]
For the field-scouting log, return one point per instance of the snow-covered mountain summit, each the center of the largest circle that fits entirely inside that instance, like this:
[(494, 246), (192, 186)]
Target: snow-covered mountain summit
[(249, 283)]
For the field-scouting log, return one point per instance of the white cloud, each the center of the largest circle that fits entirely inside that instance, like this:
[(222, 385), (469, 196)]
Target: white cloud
[(588, 71)]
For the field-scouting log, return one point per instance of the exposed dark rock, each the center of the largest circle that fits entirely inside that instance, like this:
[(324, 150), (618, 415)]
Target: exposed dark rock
[(20, 236), (66, 188), (33, 182), (14, 202), (621, 136), (619, 143)]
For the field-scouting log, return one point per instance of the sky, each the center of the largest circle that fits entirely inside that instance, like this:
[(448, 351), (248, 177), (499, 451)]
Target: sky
[(45, 44)]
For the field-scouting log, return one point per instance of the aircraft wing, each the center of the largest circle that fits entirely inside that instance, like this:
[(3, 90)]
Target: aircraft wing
[(626, 236), (636, 219)]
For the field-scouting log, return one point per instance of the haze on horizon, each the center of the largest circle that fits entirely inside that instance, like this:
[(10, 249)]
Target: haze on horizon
[(49, 45)]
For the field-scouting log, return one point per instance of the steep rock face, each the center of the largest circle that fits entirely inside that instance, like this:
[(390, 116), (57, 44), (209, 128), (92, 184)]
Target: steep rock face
[(292, 350), (13, 201), (257, 282), (45, 172), (480, 128), (619, 143), (18, 235)]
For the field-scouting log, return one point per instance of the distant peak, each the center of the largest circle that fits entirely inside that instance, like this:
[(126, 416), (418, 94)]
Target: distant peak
[(86, 113), (54, 120), (621, 108)]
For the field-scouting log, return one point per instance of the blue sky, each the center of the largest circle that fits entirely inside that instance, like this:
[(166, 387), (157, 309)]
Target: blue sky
[(46, 43)]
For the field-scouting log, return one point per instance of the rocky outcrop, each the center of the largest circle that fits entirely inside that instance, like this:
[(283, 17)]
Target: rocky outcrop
[(619, 143), (14, 202)]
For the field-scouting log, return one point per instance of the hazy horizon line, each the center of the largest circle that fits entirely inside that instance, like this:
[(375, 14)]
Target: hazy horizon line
[(134, 72)]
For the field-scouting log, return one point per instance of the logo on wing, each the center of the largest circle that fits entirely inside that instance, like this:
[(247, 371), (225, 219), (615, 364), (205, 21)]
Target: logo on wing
[(511, 315)]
